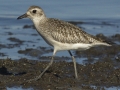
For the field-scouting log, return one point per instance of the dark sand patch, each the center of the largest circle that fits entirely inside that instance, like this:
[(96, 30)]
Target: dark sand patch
[(60, 75)]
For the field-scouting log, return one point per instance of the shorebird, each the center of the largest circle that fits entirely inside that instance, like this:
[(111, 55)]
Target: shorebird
[(61, 35)]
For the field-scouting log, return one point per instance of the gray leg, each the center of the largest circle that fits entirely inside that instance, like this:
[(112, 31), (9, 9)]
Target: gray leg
[(38, 77), (74, 62)]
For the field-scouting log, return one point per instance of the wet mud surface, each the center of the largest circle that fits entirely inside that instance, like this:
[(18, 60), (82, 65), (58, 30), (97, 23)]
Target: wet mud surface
[(60, 76), (101, 68)]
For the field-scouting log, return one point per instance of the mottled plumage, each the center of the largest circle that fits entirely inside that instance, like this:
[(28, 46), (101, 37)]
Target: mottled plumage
[(65, 32), (60, 34)]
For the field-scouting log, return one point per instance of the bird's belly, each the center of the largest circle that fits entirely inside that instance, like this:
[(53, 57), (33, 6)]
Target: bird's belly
[(66, 46)]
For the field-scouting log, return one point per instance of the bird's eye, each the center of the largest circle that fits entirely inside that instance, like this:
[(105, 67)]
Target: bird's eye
[(34, 11)]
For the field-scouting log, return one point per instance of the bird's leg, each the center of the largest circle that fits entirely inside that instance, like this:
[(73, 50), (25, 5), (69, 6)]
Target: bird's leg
[(38, 77), (74, 62)]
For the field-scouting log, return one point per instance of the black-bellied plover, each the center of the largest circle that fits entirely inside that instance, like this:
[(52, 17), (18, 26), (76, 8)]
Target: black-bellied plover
[(61, 35)]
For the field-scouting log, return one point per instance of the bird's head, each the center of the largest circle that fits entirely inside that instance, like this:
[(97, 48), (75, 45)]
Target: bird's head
[(34, 12)]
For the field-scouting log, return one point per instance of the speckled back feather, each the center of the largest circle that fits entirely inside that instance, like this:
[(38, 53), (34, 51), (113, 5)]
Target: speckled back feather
[(65, 32)]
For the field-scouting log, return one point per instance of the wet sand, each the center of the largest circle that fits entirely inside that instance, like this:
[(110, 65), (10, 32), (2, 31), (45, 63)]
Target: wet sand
[(60, 76)]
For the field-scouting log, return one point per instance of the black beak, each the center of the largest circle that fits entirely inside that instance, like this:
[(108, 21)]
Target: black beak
[(22, 16)]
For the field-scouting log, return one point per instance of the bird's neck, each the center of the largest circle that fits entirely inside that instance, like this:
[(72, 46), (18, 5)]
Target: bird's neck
[(39, 20)]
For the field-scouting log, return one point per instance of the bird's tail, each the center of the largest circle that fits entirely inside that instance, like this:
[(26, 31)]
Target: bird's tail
[(102, 43)]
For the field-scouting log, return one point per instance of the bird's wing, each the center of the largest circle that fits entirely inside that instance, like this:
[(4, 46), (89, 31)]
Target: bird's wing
[(68, 33)]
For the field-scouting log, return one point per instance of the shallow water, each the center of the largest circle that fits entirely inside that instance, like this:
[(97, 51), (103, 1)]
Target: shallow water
[(65, 10), (20, 88), (97, 17)]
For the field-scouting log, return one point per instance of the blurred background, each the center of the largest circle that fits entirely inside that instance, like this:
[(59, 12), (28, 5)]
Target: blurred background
[(94, 16), (18, 38), (68, 10)]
